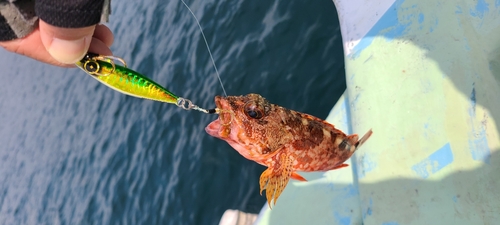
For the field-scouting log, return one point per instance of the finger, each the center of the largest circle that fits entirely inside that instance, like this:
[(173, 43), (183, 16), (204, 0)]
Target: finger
[(103, 33), (31, 46), (66, 45), (99, 47)]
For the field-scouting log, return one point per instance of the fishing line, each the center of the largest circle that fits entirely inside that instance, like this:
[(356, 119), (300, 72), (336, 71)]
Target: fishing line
[(208, 48)]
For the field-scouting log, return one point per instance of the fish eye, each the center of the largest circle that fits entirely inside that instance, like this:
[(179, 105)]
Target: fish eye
[(253, 111), (344, 145)]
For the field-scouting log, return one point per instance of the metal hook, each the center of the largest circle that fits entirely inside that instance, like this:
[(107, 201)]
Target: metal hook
[(109, 59), (221, 113)]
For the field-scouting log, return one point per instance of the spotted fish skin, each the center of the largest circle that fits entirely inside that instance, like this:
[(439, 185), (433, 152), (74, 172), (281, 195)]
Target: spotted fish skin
[(283, 140)]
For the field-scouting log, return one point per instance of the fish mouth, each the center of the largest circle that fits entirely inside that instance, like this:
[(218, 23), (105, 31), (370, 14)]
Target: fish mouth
[(216, 128), (213, 128)]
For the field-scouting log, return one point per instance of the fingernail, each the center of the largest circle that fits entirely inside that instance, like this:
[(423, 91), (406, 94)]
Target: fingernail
[(69, 51)]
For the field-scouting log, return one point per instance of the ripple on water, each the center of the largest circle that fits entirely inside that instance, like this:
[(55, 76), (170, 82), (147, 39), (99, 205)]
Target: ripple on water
[(73, 151)]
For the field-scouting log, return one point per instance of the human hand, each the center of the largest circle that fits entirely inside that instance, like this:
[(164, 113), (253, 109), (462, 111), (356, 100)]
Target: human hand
[(62, 46)]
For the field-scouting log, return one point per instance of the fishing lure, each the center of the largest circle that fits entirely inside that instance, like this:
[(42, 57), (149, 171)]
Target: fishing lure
[(130, 82)]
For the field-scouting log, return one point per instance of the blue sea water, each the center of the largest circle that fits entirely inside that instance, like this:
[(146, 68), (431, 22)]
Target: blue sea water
[(73, 151)]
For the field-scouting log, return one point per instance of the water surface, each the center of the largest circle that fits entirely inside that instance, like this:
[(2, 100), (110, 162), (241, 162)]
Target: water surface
[(73, 151)]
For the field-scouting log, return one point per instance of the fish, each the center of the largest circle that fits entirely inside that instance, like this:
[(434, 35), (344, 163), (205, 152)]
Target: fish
[(283, 140)]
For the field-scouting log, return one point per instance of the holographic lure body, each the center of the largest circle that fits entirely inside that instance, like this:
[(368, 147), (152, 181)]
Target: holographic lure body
[(130, 82)]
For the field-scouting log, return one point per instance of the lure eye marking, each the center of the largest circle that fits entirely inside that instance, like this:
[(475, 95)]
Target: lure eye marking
[(92, 67)]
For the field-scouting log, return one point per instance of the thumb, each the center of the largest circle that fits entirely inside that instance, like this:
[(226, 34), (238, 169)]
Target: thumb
[(66, 45)]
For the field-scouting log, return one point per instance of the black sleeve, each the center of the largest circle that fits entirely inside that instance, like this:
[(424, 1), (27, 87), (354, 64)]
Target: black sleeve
[(18, 18), (69, 13)]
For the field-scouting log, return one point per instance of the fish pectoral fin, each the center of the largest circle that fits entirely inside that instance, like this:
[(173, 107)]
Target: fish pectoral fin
[(274, 179), (340, 166), (297, 176)]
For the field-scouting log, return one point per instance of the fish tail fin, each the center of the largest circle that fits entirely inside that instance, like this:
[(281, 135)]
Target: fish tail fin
[(275, 179), (363, 139)]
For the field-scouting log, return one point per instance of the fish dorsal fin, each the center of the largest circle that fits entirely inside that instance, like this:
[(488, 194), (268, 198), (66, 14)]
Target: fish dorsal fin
[(274, 179)]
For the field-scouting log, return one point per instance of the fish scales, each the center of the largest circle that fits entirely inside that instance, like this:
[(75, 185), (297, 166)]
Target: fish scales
[(281, 139)]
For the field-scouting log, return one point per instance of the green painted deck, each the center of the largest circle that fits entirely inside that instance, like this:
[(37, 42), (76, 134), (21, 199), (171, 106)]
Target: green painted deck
[(426, 78)]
